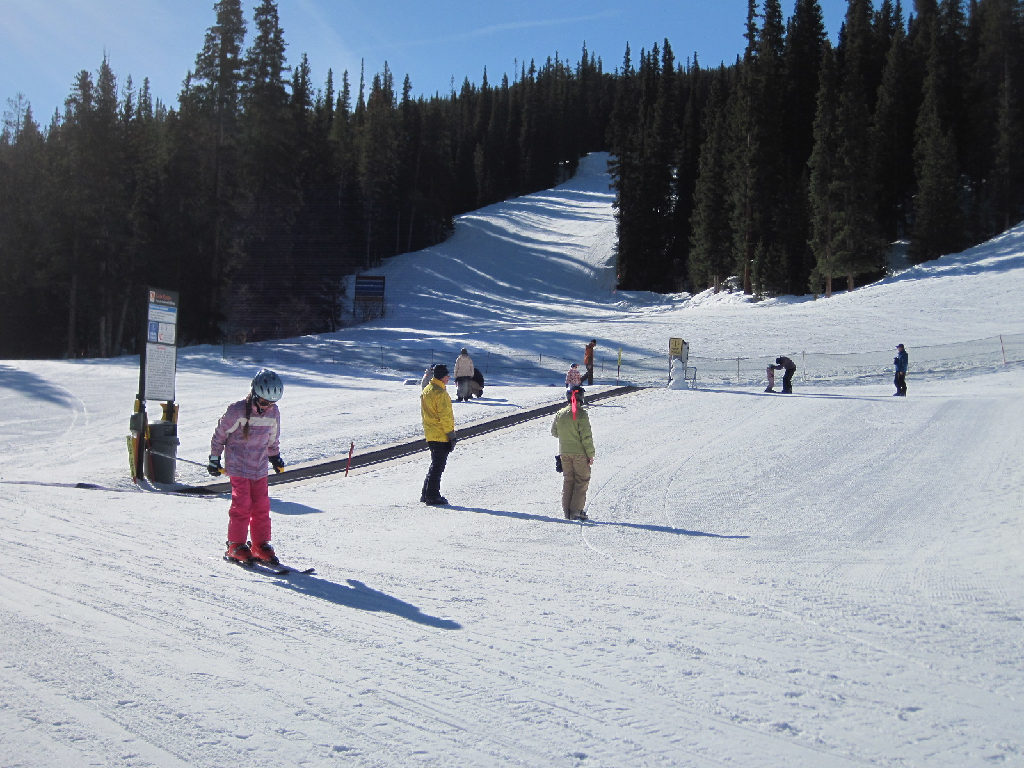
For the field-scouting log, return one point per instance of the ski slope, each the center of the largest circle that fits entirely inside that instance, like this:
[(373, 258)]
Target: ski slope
[(832, 578)]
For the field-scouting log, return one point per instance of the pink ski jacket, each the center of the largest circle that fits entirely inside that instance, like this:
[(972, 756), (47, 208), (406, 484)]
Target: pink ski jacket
[(247, 456)]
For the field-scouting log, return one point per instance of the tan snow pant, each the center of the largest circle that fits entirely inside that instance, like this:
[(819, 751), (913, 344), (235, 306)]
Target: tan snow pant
[(575, 481)]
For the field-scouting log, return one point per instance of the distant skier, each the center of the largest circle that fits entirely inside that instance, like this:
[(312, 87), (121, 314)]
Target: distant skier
[(573, 377), (576, 450), (787, 378), (901, 362), (439, 431), (588, 362), (476, 384), (249, 435), (463, 375)]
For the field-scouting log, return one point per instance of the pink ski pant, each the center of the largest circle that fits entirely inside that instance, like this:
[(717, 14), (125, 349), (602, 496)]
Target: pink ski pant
[(250, 510)]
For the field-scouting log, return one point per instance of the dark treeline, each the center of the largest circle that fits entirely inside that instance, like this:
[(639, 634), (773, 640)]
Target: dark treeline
[(794, 166), (804, 161)]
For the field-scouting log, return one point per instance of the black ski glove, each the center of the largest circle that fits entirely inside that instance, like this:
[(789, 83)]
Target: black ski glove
[(277, 462), (214, 467), (452, 440)]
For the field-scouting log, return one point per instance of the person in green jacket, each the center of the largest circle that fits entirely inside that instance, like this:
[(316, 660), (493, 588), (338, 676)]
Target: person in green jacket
[(576, 451), (439, 430)]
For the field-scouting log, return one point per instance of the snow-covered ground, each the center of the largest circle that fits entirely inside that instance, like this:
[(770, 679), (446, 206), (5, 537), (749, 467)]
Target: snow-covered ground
[(833, 578)]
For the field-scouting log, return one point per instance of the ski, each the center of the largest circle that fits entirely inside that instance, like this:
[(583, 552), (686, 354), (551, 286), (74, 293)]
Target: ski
[(271, 570)]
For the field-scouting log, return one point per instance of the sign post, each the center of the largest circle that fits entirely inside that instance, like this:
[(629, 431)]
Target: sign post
[(368, 302), (157, 368)]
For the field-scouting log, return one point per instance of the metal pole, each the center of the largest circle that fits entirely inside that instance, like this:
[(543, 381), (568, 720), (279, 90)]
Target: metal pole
[(187, 461)]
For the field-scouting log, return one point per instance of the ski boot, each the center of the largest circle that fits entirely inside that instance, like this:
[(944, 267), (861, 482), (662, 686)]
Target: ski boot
[(264, 553), (239, 552)]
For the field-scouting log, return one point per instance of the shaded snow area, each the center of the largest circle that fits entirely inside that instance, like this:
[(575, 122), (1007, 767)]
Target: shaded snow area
[(829, 578)]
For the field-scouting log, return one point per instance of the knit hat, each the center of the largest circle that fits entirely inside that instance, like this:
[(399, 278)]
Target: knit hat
[(440, 371)]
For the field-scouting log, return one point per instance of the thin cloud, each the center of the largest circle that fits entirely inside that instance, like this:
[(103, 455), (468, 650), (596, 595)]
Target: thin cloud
[(514, 26)]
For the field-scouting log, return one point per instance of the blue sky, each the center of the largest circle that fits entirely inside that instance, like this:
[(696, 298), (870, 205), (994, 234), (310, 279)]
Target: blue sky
[(45, 43)]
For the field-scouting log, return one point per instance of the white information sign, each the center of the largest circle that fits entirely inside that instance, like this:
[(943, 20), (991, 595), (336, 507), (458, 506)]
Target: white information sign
[(161, 361), (161, 349)]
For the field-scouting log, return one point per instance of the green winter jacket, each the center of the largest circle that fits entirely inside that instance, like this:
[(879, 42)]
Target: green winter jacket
[(574, 435)]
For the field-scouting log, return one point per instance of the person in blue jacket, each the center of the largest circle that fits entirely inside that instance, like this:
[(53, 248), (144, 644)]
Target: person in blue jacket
[(901, 361)]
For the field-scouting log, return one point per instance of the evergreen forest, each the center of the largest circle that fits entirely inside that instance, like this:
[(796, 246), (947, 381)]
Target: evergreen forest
[(795, 169)]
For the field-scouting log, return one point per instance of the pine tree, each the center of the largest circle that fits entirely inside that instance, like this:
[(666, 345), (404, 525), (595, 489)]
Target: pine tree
[(26, 292), (710, 259), (211, 175), (825, 191), (937, 214), (746, 149), (891, 140), (378, 163), (273, 297), (995, 160), (861, 248), (805, 43)]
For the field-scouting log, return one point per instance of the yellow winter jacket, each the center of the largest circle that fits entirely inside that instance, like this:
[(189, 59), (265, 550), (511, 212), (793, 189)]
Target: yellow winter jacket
[(436, 410)]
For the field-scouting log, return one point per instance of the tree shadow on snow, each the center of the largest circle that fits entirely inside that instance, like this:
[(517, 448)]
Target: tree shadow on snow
[(31, 385), (639, 526), (358, 595)]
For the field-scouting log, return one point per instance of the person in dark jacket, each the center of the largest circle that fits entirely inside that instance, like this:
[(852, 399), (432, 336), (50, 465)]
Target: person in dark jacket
[(476, 386), (588, 362), (784, 363), (901, 362)]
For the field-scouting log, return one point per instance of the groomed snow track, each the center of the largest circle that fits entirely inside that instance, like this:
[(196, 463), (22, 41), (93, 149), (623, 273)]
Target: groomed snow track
[(387, 453)]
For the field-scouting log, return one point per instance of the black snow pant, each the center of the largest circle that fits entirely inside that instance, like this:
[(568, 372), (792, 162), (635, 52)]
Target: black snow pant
[(438, 459), (787, 381), (901, 383)]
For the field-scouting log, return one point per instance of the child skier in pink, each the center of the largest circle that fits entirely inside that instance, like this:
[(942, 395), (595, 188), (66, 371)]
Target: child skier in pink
[(249, 434), (573, 377)]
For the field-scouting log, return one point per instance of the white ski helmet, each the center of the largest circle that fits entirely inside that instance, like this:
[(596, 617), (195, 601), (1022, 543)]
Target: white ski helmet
[(268, 385)]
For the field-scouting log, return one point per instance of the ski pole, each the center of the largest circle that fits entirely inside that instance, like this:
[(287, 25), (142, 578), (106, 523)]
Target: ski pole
[(187, 461)]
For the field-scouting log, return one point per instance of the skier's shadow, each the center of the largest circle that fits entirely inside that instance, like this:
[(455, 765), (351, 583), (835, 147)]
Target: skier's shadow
[(617, 524), (281, 507), (358, 595)]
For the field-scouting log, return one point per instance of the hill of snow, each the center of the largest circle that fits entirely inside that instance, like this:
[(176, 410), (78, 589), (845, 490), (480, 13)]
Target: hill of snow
[(833, 578)]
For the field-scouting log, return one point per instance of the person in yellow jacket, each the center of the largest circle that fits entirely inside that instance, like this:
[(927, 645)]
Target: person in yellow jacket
[(439, 430)]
